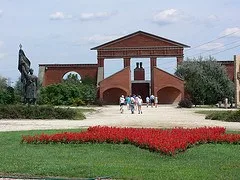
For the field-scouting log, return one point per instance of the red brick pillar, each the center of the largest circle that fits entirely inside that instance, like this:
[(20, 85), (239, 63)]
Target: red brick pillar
[(100, 75), (100, 62), (126, 62), (100, 94), (179, 60), (153, 63)]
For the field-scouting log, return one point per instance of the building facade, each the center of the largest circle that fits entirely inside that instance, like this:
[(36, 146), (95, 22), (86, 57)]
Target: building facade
[(168, 88)]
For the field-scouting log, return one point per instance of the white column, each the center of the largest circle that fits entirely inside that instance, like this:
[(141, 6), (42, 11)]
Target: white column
[(237, 79)]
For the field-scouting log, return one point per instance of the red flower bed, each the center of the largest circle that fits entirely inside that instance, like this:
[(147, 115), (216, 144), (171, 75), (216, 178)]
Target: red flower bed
[(168, 141)]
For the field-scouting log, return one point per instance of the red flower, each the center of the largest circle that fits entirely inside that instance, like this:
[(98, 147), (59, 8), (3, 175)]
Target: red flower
[(168, 141)]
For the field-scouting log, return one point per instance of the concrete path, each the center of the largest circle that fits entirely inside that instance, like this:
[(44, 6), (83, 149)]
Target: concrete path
[(160, 117)]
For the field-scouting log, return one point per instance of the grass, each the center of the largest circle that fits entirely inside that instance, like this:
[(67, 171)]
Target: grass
[(210, 111), (80, 113), (228, 115), (204, 106), (209, 161), (42, 112)]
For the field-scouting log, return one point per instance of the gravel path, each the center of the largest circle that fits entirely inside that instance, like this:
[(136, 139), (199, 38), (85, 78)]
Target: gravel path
[(160, 117)]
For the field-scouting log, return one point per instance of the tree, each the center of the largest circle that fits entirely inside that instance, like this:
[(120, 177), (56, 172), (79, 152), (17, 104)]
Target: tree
[(71, 91), (3, 83), (72, 79), (6, 92), (206, 81), (18, 90)]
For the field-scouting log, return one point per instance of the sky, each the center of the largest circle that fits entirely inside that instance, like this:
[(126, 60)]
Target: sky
[(64, 31)]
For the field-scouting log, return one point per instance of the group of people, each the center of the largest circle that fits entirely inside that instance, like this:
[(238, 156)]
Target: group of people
[(153, 101), (134, 102)]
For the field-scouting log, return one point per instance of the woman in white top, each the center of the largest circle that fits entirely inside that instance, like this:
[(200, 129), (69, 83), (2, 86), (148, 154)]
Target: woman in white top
[(139, 104), (155, 101)]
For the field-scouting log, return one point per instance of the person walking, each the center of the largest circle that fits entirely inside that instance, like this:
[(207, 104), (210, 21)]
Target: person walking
[(132, 104), (147, 100), (155, 101), (122, 102), (152, 100), (128, 100), (139, 104)]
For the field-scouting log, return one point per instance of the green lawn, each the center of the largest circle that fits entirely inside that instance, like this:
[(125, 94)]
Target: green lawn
[(80, 115), (224, 115), (211, 111), (210, 161), (43, 112)]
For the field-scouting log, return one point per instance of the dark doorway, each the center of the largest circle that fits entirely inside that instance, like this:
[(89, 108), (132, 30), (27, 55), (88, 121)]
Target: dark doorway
[(141, 89)]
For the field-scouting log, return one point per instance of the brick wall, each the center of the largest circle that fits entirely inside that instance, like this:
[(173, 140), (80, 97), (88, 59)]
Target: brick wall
[(54, 73), (111, 88), (168, 88)]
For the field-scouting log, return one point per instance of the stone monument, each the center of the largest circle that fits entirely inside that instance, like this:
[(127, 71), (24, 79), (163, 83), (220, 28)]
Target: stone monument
[(28, 80)]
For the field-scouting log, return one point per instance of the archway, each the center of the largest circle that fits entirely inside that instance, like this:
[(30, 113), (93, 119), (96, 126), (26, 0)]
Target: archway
[(72, 73), (168, 95), (111, 96)]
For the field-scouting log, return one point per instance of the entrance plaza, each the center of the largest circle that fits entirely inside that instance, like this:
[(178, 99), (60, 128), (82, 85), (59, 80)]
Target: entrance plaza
[(164, 116)]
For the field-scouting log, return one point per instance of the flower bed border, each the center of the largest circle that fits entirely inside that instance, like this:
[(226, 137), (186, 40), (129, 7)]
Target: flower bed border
[(166, 141)]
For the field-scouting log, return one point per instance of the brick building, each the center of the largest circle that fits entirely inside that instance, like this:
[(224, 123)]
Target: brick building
[(168, 88), (229, 65)]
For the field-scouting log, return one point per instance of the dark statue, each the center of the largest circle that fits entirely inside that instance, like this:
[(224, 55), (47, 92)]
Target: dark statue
[(29, 81)]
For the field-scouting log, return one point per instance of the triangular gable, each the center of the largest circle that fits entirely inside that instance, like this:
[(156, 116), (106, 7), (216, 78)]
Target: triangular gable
[(163, 79), (120, 79), (162, 72), (123, 73), (140, 39)]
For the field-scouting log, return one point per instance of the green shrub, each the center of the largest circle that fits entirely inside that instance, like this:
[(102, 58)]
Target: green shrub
[(37, 112), (68, 94), (99, 102), (234, 116), (217, 115), (78, 102), (230, 116), (7, 95), (185, 103)]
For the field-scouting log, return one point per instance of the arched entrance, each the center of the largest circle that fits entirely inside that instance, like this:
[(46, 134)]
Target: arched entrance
[(72, 74), (139, 45), (54, 73), (136, 45), (111, 96), (168, 95)]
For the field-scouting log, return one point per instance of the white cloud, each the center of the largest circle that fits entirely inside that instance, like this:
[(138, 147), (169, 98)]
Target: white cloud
[(60, 16), (96, 16), (1, 13), (169, 16), (97, 39), (212, 46), (212, 17), (232, 32)]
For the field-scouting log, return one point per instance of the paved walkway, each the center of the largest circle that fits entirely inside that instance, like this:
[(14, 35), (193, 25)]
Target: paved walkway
[(160, 117)]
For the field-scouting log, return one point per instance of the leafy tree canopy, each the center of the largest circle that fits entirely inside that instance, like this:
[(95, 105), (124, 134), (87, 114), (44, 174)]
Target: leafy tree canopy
[(72, 91), (206, 80), (3, 83), (6, 92)]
